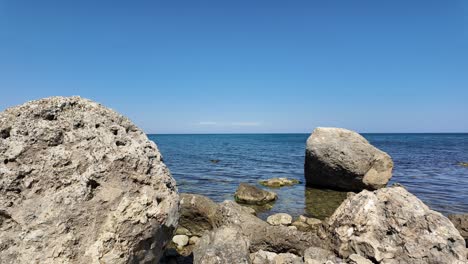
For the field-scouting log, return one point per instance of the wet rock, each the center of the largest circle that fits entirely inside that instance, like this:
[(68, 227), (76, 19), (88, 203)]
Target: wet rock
[(80, 183), (393, 226), (180, 240), (463, 164), (223, 245), (338, 158), (460, 221), (279, 182), (215, 161), (279, 219), (249, 194), (322, 203), (196, 213)]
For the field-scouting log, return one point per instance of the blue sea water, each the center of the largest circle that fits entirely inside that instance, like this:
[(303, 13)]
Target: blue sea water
[(426, 164)]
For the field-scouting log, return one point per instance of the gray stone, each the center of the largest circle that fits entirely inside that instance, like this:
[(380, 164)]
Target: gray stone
[(357, 259), (338, 158), (249, 194), (288, 258), (279, 219), (194, 240), (316, 255), (80, 183), (391, 225), (263, 257), (196, 213), (279, 182), (460, 221), (180, 240), (223, 245)]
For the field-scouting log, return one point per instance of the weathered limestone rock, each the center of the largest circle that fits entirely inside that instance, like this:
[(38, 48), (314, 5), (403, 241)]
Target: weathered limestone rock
[(278, 182), (263, 257), (393, 226), (80, 183), (262, 235), (357, 259), (338, 158), (249, 194), (223, 245), (315, 255), (196, 213), (279, 219), (307, 224), (460, 221)]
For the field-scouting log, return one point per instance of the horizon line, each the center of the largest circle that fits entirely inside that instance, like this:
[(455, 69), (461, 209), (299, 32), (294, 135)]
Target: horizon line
[(267, 133)]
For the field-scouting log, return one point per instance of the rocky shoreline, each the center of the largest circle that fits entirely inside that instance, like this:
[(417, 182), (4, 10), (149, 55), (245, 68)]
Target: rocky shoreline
[(80, 183)]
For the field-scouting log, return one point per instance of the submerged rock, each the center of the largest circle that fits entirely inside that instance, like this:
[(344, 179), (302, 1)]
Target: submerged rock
[(279, 219), (338, 158), (249, 194), (80, 183), (393, 226), (278, 182), (463, 164)]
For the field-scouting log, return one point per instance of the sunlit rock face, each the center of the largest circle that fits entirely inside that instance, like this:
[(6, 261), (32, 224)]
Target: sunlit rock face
[(342, 159), (80, 183)]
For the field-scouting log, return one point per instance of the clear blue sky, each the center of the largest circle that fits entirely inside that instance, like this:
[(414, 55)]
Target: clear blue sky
[(245, 66)]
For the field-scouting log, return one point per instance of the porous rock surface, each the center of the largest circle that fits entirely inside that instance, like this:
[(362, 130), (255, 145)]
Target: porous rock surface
[(342, 159), (249, 194), (391, 225), (80, 183)]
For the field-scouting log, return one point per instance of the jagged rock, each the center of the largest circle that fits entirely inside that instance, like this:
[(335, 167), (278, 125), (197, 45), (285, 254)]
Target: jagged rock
[(80, 183), (223, 245), (180, 240), (196, 213), (307, 223), (263, 257), (262, 235), (279, 219), (249, 194), (338, 158), (278, 182), (460, 221), (393, 226)]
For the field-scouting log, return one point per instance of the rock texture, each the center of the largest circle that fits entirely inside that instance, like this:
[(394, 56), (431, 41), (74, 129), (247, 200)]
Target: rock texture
[(279, 219), (338, 158), (461, 224), (249, 194), (196, 213), (278, 182), (223, 245), (80, 183), (393, 226)]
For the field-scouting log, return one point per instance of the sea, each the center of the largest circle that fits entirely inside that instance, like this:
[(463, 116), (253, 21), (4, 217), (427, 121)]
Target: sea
[(428, 165)]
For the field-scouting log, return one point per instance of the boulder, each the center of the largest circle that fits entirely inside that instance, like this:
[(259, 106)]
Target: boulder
[(249, 194), (393, 226), (223, 245), (279, 182), (180, 240), (80, 183), (279, 219), (196, 213), (357, 259), (460, 221), (262, 235), (341, 159), (266, 257)]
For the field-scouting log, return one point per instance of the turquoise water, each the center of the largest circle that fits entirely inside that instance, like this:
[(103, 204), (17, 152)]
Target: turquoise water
[(427, 164)]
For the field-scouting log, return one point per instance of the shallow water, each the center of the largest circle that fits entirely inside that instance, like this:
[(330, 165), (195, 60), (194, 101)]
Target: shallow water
[(426, 164)]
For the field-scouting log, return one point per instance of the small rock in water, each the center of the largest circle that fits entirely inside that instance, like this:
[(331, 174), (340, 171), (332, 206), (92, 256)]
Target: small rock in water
[(250, 194), (180, 240), (279, 182), (463, 164), (215, 161), (279, 219)]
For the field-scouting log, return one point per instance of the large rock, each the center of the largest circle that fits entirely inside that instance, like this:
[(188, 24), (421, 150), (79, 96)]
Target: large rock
[(460, 221), (223, 245), (80, 183), (196, 213), (338, 158), (393, 226), (249, 194)]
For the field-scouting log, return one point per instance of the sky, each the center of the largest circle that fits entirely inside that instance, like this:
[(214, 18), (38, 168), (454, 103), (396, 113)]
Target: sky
[(245, 66)]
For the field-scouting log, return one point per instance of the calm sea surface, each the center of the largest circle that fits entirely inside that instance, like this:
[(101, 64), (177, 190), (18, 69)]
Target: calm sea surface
[(425, 163)]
